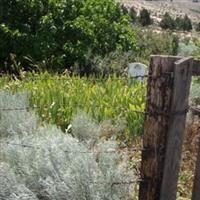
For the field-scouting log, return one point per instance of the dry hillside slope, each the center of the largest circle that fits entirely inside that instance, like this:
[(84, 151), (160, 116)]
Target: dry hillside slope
[(175, 8)]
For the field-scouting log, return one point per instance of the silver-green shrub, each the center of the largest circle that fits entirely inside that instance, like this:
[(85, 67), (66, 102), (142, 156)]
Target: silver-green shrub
[(15, 118), (85, 129), (10, 189), (43, 163), (185, 49), (90, 131)]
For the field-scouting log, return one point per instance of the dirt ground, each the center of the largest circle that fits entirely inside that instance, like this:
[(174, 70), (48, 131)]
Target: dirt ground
[(175, 8)]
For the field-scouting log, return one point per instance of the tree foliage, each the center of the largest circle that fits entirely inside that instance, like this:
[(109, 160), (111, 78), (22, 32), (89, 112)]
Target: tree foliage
[(187, 25), (167, 22), (180, 23), (198, 27), (144, 17), (184, 24), (62, 30), (151, 43), (133, 15)]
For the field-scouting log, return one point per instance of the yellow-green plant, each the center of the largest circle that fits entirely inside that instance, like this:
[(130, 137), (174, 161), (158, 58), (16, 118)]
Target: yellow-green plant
[(58, 98)]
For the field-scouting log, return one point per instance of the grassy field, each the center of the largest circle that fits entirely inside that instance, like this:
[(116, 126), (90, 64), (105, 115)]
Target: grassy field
[(58, 98)]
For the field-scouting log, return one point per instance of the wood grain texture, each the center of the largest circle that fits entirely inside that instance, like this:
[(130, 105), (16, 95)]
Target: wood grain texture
[(196, 187), (159, 97), (181, 88), (196, 68)]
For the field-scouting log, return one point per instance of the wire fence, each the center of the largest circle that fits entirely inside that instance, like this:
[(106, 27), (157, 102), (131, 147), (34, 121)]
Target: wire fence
[(93, 78), (181, 112), (141, 77), (120, 150), (94, 152)]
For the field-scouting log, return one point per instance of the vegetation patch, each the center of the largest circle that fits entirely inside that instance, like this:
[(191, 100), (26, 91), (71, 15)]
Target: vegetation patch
[(58, 98)]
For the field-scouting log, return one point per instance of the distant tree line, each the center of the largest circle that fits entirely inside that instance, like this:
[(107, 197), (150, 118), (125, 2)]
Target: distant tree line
[(179, 23), (167, 22), (144, 17)]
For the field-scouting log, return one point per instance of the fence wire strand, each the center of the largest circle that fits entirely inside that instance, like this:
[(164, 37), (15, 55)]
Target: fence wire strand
[(113, 183), (68, 77), (122, 150), (154, 113)]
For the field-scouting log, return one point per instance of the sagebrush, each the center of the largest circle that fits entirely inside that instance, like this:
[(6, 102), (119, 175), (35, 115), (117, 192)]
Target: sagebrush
[(44, 163)]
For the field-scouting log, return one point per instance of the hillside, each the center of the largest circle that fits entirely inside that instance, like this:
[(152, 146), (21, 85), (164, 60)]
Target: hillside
[(175, 8)]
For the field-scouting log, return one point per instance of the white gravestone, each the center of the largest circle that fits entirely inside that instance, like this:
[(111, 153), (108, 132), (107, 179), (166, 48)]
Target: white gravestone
[(137, 69)]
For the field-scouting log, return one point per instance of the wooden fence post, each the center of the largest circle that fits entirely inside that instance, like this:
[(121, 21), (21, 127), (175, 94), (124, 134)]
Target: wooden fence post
[(196, 187), (179, 105), (159, 96)]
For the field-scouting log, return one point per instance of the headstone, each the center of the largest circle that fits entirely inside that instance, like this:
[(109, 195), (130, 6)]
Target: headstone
[(136, 69)]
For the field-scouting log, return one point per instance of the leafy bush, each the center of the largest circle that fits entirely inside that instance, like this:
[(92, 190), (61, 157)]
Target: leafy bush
[(58, 98), (196, 52), (68, 30), (198, 27), (167, 22), (114, 63), (195, 92), (187, 25), (179, 23), (151, 43), (144, 17), (187, 48), (184, 23), (133, 15), (124, 9), (48, 164)]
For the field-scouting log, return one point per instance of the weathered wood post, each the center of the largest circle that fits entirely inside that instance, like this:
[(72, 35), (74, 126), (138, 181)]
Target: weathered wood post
[(177, 121), (196, 187), (159, 94), (161, 107)]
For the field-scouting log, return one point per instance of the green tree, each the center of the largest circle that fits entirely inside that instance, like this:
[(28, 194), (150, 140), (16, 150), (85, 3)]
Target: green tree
[(124, 9), (167, 22), (68, 30), (144, 17), (179, 23), (198, 27), (187, 23), (183, 23), (133, 15)]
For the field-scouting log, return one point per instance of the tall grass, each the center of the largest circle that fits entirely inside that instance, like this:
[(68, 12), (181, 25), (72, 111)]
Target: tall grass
[(59, 98)]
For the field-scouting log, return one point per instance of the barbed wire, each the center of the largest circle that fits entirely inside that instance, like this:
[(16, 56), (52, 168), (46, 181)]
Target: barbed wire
[(139, 180), (78, 78), (37, 107), (65, 77), (87, 78), (149, 113), (113, 183), (195, 110), (120, 150)]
